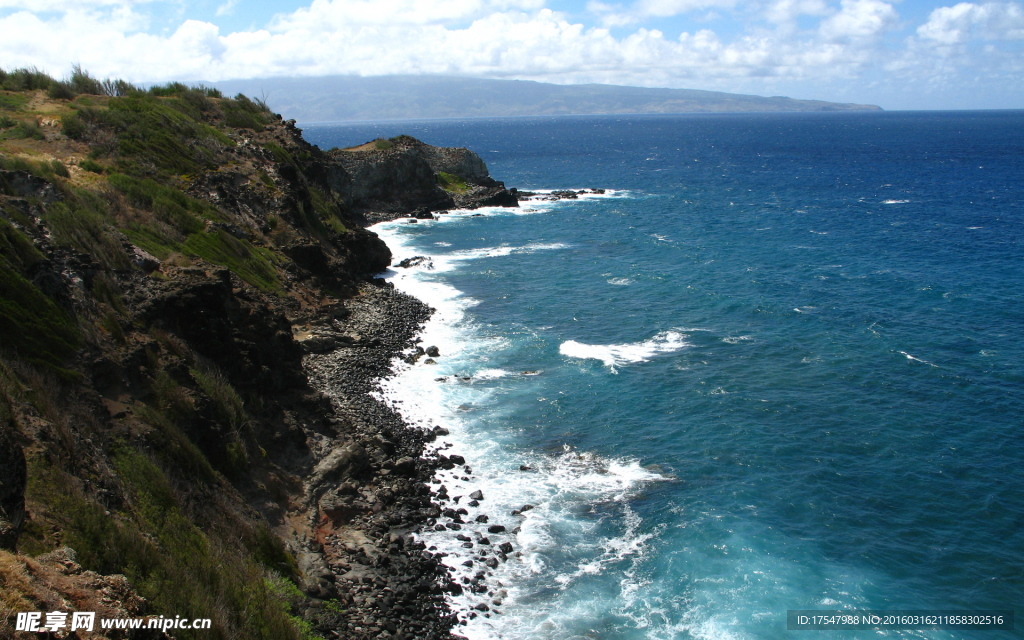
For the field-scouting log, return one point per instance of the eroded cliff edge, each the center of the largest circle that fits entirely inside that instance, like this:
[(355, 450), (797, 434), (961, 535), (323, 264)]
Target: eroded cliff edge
[(190, 329)]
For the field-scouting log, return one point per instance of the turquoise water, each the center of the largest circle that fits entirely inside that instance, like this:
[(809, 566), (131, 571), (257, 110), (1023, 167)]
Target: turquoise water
[(777, 366)]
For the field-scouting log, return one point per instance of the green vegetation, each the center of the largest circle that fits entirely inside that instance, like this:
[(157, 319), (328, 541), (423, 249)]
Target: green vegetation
[(452, 182), (32, 326), (227, 403), (81, 221), (383, 145), (182, 212), (80, 82), (252, 264), (24, 80), (40, 169), (155, 139), (244, 113), (151, 498), (26, 129), (13, 101), (177, 566), (89, 165)]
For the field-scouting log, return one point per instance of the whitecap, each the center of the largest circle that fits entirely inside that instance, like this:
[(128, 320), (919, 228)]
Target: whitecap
[(490, 374), (618, 355), (736, 339), (620, 281), (500, 251), (895, 201), (916, 359)]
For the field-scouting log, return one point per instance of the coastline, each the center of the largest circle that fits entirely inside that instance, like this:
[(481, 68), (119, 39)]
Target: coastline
[(501, 506), (358, 533)]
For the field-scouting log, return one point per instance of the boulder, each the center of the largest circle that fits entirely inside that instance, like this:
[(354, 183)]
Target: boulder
[(345, 461)]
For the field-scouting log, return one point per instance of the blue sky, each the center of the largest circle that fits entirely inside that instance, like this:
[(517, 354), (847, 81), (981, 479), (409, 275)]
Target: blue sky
[(909, 54)]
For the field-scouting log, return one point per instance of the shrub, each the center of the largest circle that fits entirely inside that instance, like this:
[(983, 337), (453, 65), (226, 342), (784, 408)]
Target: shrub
[(27, 129), (177, 566), (226, 401), (73, 125), (61, 91), (39, 169), (59, 169), (82, 82), (243, 113), (451, 182), (169, 89), (79, 222), (154, 138), (89, 165), (117, 88), (26, 80)]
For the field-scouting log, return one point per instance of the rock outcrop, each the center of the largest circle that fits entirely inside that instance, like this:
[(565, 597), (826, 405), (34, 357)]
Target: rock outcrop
[(386, 179)]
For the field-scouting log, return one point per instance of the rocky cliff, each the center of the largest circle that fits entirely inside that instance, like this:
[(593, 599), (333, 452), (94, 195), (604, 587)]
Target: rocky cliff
[(384, 178), (190, 328)]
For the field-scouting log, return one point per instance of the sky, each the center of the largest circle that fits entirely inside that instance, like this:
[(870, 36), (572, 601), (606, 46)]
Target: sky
[(899, 54)]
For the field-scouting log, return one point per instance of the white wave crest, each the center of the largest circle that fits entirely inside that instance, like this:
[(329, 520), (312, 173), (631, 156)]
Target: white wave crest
[(618, 355), (497, 252), (490, 374)]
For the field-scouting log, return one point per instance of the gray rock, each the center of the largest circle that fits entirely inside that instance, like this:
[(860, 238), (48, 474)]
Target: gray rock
[(342, 462)]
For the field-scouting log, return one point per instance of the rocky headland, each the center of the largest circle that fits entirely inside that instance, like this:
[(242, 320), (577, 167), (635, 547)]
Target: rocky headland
[(190, 331)]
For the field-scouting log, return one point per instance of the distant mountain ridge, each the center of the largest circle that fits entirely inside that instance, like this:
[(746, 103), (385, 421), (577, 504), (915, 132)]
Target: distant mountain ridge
[(341, 98)]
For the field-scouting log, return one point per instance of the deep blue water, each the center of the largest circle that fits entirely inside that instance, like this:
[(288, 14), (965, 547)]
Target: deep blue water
[(779, 366)]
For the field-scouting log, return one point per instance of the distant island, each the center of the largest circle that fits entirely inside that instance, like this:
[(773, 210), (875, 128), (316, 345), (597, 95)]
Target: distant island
[(406, 97)]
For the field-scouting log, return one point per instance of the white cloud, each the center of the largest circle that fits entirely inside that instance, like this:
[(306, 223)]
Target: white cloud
[(785, 11), (859, 19), (342, 13), (522, 39), (964, 21), (619, 15), (227, 8), (61, 6)]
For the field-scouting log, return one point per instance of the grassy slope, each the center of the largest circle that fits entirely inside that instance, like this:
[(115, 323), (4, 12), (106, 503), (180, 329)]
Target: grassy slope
[(135, 493)]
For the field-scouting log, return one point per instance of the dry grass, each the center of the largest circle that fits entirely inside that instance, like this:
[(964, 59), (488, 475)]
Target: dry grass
[(16, 593), (379, 144)]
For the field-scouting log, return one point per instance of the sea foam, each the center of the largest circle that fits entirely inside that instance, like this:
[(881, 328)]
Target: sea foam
[(557, 540), (620, 355)]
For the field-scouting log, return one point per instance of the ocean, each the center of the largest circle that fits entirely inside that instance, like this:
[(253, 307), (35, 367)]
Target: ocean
[(777, 365)]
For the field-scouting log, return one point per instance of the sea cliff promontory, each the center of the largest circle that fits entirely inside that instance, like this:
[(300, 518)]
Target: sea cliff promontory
[(190, 331)]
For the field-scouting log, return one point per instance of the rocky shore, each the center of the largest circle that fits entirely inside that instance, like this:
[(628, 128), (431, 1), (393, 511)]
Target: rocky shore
[(367, 493)]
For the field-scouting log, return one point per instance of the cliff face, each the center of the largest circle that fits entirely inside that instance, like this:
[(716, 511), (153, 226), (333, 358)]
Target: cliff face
[(189, 331), (384, 179)]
